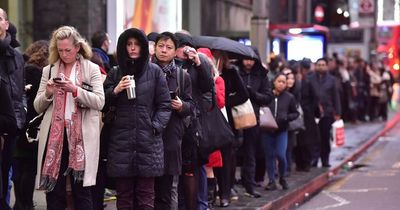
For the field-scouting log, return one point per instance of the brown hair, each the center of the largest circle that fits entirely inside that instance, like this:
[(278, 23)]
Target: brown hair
[(37, 53)]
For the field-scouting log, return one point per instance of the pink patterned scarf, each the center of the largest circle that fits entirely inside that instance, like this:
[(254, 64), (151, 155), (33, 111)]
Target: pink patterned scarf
[(76, 159)]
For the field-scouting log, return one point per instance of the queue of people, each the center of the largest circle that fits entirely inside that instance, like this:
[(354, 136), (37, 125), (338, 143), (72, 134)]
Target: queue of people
[(137, 123)]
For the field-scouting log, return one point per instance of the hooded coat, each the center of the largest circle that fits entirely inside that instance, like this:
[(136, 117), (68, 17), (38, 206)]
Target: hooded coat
[(135, 145), (258, 85)]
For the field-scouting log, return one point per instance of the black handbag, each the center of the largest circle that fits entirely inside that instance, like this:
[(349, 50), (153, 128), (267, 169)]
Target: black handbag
[(298, 123), (216, 132)]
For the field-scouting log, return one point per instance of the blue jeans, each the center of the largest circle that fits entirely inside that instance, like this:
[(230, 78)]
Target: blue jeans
[(275, 145), (202, 196)]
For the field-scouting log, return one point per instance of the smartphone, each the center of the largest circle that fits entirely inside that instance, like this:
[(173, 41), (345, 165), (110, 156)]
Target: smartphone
[(57, 79), (173, 94)]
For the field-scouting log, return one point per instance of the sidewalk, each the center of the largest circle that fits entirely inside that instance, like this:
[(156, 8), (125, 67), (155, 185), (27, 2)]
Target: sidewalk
[(302, 184)]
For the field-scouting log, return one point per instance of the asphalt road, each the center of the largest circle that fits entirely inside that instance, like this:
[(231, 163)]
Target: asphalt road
[(372, 183)]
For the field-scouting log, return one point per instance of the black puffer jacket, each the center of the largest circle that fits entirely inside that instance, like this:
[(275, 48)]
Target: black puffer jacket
[(135, 145)]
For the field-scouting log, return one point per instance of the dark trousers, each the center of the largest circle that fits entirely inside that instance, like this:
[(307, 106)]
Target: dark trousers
[(163, 189), (292, 141), (251, 140), (129, 190), (24, 182), (325, 125), (303, 152), (99, 189), (383, 111), (260, 169), (372, 107), (6, 162), (223, 174), (82, 196)]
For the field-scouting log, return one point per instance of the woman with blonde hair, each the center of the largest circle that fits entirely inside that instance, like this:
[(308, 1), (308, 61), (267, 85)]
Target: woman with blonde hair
[(71, 95)]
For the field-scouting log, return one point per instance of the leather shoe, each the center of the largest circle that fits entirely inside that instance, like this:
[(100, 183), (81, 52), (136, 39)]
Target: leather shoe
[(252, 194), (224, 203), (271, 186)]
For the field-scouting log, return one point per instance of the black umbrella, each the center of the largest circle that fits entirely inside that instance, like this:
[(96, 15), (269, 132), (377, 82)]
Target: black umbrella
[(233, 48)]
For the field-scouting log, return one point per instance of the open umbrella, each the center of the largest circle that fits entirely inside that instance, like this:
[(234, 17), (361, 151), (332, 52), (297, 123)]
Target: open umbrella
[(233, 48)]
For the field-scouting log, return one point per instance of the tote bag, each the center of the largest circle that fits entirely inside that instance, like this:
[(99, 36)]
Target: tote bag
[(243, 116)]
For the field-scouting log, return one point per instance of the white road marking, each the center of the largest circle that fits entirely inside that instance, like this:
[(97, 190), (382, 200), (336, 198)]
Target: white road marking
[(382, 173), (387, 138), (341, 201), (396, 165), (360, 190)]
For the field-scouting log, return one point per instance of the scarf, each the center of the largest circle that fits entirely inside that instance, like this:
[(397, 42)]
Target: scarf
[(167, 69), (76, 159)]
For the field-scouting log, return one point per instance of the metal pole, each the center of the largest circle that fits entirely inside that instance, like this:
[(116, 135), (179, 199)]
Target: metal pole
[(373, 42), (309, 11), (259, 28)]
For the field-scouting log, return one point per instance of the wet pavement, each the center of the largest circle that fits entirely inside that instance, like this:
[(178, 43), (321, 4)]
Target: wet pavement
[(355, 135)]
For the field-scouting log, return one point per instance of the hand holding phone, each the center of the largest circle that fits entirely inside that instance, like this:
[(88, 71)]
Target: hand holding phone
[(173, 94), (57, 79)]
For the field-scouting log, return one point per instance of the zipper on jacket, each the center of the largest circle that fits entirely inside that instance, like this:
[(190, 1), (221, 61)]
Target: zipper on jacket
[(276, 107)]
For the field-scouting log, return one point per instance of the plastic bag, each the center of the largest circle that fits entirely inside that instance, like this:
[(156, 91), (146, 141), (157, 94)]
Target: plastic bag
[(338, 134)]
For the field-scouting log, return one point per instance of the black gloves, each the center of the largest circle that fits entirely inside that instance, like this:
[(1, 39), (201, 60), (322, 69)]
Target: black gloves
[(252, 93)]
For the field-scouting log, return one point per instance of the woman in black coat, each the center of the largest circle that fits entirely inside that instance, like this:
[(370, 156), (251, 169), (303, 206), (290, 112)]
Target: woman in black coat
[(25, 155), (235, 94), (135, 150), (283, 108), (294, 87)]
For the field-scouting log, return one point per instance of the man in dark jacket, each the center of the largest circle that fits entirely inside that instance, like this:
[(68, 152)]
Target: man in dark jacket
[(255, 79), (310, 104), (100, 46), (182, 105), (135, 152), (330, 109), (202, 82), (11, 71), (8, 123)]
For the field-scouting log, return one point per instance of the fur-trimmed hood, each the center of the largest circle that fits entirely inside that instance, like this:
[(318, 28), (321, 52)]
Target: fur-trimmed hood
[(127, 64)]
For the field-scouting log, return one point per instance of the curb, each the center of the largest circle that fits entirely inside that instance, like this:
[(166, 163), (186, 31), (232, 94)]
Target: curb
[(302, 193)]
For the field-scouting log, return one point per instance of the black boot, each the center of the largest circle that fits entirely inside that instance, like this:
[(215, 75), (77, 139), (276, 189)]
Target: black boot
[(271, 186), (283, 183), (211, 183)]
